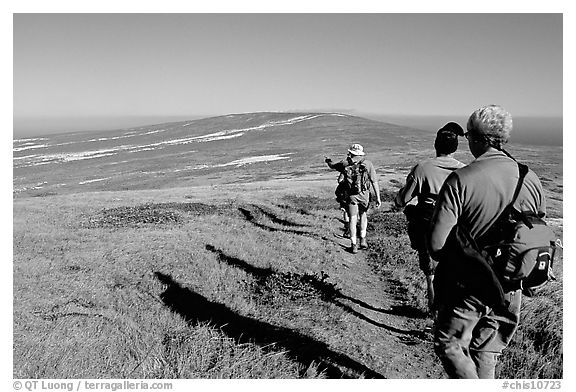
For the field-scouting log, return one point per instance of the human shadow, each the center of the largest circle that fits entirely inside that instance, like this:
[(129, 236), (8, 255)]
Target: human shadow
[(252, 217), (412, 333), (258, 272), (267, 275), (397, 310), (195, 308), (275, 219), (328, 292)]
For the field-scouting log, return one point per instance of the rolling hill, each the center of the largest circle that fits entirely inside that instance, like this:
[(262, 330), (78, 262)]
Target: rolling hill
[(213, 249), (208, 151)]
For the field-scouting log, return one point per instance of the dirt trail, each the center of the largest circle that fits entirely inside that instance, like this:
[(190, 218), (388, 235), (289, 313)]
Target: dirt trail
[(388, 333)]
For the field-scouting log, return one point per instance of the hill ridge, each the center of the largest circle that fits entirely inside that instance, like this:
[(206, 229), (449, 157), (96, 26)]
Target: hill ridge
[(199, 151)]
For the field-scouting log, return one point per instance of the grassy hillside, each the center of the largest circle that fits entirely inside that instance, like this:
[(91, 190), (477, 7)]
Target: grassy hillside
[(209, 151), (165, 284), (213, 249), (244, 281)]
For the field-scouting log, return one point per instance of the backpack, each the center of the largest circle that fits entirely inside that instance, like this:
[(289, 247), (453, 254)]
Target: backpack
[(356, 176), (341, 192), (419, 217), (520, 246)]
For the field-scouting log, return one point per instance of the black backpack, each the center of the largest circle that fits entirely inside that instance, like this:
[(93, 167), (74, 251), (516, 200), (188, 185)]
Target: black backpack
[(520, 246), (419, 217), (356, 176)]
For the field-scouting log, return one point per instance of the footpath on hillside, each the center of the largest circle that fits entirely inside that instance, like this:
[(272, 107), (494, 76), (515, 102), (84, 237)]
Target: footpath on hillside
[(377, 329), (391, 332), (373, 322)]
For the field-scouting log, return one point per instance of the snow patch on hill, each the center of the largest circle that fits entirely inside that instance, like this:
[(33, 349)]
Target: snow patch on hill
[(226, 134)]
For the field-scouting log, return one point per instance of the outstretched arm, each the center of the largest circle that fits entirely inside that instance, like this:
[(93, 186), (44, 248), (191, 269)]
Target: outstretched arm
[(377, 192), (335, 166)]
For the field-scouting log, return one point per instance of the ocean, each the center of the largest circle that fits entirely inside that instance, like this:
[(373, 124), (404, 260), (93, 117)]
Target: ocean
[(536, 131)]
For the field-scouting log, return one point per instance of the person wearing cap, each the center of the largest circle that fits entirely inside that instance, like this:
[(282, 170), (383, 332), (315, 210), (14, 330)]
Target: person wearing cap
[(477, 317), (358, 204), (424, 182)]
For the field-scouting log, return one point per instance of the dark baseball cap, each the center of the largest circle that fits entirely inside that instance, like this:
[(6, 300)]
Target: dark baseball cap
[(453, 128), (447, 138)]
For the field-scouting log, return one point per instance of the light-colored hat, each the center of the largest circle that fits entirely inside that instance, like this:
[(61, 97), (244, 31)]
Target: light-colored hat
[(356, 149)]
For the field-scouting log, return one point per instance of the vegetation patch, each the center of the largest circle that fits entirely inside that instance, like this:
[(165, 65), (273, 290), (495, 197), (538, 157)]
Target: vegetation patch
[(387, 195), (150, 214), (387, 224), (267, 285), (536, 348), (306, 204), (292, 286), (44, 194)]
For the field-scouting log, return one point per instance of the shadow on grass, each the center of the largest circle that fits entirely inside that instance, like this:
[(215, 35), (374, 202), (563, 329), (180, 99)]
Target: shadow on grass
[(397, 310), (238, 263), (195, 308), (275, 219), (266, 220), (407, 335), (255, 213), (326, 291)]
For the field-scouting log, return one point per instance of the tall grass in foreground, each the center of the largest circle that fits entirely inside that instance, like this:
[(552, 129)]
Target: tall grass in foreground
[(536, 349)]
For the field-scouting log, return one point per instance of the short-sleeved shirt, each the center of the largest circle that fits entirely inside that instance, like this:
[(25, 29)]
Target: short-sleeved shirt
[(476, 195), (363, 198), (425, 180)]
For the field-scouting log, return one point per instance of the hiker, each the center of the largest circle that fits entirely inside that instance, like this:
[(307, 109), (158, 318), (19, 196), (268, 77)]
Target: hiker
[(360, 175), (424, 182), (341, 192), (477, 315)]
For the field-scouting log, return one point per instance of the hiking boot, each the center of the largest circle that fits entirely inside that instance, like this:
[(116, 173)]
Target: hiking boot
[(346, 233), (363, 243), (353, 248)]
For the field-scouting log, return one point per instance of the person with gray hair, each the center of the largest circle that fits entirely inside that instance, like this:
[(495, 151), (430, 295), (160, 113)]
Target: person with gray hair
[(477, 316)]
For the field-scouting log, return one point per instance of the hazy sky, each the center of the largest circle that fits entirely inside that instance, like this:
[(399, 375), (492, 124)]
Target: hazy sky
[(135, 65)]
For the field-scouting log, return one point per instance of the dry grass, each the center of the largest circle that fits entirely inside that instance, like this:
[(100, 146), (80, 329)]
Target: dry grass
[(235, 282), (94, 286), (537, 347)]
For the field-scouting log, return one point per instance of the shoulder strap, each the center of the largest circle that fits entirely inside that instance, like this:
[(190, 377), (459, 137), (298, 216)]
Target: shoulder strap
[(351, 163), (523, 171), (509, 209)]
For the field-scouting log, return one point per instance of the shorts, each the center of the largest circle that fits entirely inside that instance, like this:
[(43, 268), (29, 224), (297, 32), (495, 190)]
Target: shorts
[(361, 199)]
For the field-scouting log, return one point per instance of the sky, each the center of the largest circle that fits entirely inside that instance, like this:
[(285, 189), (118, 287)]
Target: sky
[(82, 71)]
